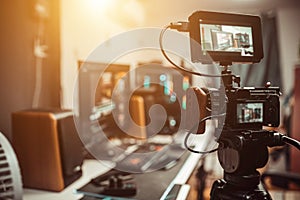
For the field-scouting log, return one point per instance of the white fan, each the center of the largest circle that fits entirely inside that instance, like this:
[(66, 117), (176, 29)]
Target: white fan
[(10, 176)]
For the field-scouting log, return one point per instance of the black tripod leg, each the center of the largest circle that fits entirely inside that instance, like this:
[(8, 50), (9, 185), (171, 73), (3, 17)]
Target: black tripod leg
[(201, 179)]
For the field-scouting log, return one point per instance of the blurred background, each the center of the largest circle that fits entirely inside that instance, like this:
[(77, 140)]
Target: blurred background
[(42, 41)]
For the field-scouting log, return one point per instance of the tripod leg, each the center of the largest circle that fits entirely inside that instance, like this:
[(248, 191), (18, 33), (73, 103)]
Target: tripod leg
[(201, 178)]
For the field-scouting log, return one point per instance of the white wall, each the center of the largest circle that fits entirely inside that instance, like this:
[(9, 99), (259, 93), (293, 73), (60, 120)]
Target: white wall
[(289, 43), (85, 24)]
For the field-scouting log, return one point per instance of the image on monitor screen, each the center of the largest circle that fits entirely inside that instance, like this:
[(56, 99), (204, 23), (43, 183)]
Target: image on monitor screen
[(227, 38), (221, 40)]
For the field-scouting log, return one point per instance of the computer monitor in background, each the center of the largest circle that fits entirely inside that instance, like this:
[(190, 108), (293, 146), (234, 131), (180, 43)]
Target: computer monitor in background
[(168, 88), (96, 84), (154, 83), (107, 106)]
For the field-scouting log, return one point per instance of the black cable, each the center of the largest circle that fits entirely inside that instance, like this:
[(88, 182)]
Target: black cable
[(193, 150), (193, 129), (291, 141), (174, 64)]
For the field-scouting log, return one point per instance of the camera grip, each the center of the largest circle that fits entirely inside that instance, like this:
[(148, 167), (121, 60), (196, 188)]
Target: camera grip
[(196, 109)]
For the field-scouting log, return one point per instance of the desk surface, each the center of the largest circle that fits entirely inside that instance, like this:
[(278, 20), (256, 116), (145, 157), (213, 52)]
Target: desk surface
[(152, 185), (93, 168)]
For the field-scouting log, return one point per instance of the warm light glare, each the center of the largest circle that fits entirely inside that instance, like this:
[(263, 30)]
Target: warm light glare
[(127, 13), (99, 5)]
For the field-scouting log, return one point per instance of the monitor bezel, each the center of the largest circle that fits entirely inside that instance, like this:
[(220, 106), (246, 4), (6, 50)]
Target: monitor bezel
[(206, 17)]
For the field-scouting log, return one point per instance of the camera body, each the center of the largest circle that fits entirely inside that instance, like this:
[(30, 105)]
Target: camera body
[(245, 108), (252, 108), (229, 38)]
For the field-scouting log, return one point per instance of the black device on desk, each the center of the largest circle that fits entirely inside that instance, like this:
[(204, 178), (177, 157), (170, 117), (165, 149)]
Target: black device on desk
[(150, 185), (145, 160), (115, 183)]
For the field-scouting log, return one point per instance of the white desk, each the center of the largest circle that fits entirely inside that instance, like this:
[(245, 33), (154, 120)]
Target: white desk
[(94, 168)]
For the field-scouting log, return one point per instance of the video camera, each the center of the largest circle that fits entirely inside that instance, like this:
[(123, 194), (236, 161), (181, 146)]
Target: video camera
[(229, 38), (241, 112), (248, 108)]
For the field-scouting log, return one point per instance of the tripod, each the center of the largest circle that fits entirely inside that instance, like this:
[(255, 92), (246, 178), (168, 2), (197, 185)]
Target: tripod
[(243, 147), (240, 154)]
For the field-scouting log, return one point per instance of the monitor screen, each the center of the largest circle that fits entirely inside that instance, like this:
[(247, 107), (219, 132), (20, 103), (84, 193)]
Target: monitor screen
[(169, 86), (97, 83), (225, 38), (250, 112)]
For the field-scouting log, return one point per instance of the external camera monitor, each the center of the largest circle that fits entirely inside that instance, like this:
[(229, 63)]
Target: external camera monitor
[(225, 38)]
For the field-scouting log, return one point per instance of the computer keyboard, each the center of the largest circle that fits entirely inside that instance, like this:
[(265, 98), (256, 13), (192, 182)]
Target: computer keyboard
[(151, 157)]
